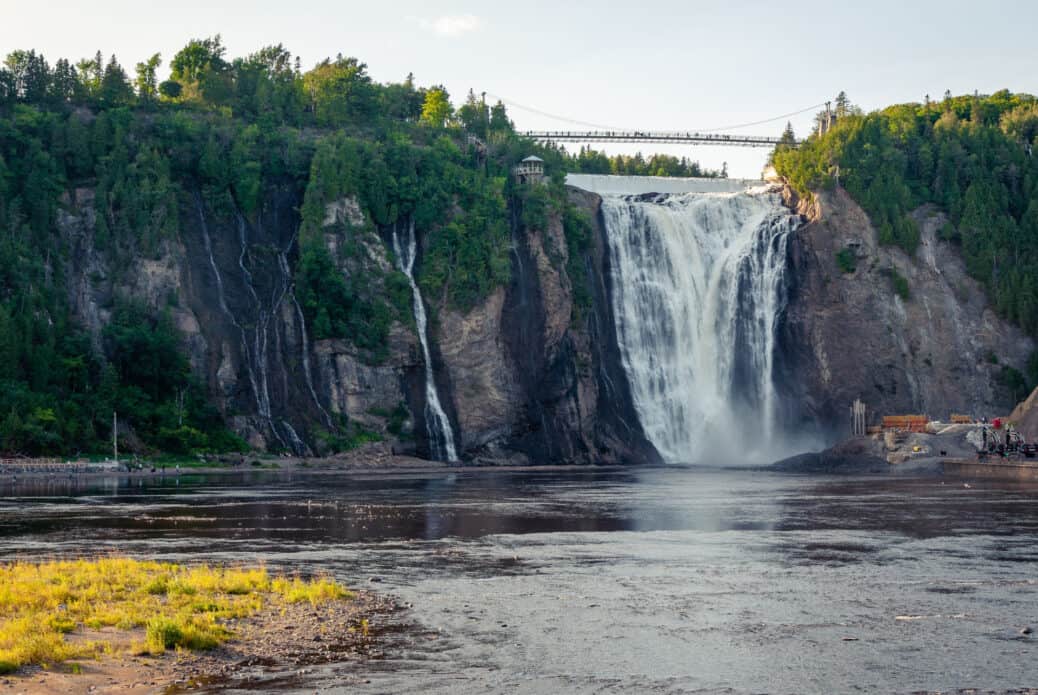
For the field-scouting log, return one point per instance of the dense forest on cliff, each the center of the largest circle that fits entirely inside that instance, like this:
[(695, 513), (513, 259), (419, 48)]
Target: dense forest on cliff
[(972, 156), (231, 133), (588, 160)]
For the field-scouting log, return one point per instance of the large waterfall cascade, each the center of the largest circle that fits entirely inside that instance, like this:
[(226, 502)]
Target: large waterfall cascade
[(698, 284), (441, 437)]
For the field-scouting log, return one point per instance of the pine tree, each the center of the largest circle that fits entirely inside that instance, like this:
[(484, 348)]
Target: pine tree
[(499, 121), (843, 104), (115, 86), (63, 82)]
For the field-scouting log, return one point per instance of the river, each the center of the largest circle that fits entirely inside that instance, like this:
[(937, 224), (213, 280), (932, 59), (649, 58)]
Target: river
[(660, 580)]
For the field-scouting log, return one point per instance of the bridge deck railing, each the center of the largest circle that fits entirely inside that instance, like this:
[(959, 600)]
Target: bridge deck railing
[(653, 136)]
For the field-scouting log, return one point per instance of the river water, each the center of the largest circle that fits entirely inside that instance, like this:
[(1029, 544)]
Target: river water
[(654, 580)]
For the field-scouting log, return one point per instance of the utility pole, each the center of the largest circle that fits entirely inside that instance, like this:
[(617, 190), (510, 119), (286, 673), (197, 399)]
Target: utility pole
[(115, 435)]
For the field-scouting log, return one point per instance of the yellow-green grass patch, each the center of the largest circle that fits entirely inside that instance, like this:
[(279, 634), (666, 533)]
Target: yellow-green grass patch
[(45, 608)]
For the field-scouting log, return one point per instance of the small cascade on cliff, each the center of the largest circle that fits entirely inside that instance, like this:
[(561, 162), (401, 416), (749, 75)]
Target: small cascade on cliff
[(304, 347), (259, 338), (698, 284), (262, 405), (441, 437)]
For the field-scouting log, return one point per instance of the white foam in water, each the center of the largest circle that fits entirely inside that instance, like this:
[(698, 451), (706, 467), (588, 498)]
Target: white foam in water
[(698, 283)]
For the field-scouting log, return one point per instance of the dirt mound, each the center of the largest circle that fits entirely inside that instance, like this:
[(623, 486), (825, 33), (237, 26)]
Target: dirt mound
[(1025, 417)]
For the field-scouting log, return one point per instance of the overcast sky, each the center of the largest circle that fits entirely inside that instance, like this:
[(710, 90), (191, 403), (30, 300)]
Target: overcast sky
[(674, 65)]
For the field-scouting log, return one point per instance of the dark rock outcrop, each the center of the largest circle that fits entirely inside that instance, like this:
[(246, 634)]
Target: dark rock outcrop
[(848, 335), (521, 379), (534, 378)]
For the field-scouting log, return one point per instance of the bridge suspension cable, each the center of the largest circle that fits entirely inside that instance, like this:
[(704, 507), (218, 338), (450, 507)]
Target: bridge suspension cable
[(552, 116), (599, 126), (767, 120)]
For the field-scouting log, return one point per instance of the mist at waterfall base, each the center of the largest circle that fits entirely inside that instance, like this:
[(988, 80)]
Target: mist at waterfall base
[(698, 285)]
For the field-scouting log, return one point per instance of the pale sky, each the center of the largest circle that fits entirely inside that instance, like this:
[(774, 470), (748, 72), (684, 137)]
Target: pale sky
[(671, 65)]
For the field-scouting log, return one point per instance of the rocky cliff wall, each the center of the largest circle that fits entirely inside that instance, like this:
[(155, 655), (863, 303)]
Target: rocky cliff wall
[(521, 378), (849, 334), (534, 379)]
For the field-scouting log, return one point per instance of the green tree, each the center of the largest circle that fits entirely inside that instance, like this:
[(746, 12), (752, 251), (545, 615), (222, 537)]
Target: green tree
[(171, 89), (197, 58), (402, 102), (64, 82), (1022, 123), (30, 74), (147, 81), (499, 121), (115, 85), (474, 116), (340, 91), (90, 71), (437, 107), (843, 104)]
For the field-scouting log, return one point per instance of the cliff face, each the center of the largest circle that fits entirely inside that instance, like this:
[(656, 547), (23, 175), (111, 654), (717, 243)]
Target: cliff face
[(520, 379), (848, 335), (533, 378), (527, 376)]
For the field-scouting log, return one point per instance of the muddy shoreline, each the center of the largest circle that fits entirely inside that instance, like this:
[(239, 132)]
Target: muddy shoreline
[(366, 460)]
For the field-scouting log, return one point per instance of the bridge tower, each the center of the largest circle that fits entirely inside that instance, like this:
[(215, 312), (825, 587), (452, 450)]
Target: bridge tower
[(826, 119)]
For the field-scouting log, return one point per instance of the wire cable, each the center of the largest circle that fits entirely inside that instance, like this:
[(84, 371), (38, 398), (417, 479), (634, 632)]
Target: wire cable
[(554, 117), (767, 120), (599, 126)]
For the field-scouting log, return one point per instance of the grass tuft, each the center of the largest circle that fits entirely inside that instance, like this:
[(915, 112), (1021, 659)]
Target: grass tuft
[(174, 606)]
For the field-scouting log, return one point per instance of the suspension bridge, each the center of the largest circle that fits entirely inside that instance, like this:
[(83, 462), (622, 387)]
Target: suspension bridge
[(597, 132), (590, 136)]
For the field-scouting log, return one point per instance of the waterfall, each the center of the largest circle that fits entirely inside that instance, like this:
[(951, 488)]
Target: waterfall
[(221, 297), (254, 327), (698, 284), (438, 426)]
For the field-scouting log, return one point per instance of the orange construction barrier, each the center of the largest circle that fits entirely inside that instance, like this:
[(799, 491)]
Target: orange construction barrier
[(961, 420), (910, 423)]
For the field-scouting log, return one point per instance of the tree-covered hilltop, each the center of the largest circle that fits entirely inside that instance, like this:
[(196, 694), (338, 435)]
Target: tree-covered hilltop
[(587, 160), (227, 135), (973, 156)]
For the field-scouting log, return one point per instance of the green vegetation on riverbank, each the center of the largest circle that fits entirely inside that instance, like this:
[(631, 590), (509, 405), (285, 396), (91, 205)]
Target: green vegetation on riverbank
[(155, 606)]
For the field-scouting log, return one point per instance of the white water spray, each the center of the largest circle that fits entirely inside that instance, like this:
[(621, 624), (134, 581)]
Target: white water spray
[(441, 437), (698, 284)]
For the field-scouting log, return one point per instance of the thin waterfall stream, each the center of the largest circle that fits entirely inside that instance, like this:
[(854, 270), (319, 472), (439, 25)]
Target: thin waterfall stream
[(438, 425), (698, 285)]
